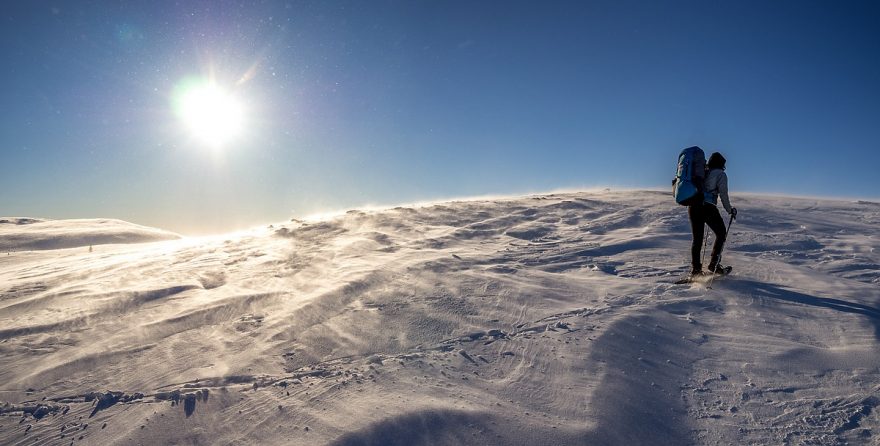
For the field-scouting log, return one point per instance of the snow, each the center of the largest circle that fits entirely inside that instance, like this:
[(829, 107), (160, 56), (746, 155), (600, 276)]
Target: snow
[(546, 319), (18, 234)]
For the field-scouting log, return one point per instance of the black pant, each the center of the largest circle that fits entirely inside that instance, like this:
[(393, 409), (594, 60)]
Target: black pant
[(706, 214)]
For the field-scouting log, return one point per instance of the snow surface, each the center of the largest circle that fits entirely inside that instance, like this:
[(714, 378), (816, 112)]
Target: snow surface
[(17, 234), (549, 319)]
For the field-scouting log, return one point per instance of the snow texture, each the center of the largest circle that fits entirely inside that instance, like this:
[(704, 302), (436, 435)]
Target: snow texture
[(549, 319), (27, 234)]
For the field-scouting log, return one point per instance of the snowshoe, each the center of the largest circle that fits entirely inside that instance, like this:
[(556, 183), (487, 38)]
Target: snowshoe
[(721, 270), (690, 278)]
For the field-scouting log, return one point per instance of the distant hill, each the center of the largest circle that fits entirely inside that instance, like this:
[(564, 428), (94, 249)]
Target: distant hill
[(29, 234)]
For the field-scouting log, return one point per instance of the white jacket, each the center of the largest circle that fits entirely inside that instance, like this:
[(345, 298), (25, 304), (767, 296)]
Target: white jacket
[(716, 186)]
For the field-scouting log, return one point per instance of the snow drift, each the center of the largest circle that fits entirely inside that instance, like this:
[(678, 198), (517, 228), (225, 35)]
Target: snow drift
[(26, 234), (549, 319)]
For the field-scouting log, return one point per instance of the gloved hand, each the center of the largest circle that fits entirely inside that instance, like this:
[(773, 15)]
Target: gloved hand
[(733, 213)]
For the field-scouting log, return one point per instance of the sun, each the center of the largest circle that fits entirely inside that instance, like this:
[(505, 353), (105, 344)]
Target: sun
[(213, 115)]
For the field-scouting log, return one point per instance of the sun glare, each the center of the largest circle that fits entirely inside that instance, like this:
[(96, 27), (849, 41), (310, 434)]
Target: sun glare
[(213, 115)]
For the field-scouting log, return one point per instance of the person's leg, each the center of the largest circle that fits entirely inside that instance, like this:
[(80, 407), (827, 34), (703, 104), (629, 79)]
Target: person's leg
[(716, 224), (695, 214)]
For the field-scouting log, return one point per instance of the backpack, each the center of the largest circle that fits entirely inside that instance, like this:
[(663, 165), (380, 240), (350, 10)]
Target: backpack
[(687, 186)]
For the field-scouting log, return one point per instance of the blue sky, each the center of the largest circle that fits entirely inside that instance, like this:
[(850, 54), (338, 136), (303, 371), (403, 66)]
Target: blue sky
[(383, 102)]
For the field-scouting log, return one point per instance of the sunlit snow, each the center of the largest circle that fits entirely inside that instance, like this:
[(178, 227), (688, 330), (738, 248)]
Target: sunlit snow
[(546, 319)]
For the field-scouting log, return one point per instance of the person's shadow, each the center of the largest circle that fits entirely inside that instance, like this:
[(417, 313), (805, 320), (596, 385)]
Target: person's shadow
[(768, 291)]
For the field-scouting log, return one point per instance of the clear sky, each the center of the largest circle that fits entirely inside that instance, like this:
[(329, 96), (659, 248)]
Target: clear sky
[(341, 104)]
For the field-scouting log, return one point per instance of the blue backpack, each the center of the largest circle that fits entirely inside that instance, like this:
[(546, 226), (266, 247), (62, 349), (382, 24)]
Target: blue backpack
[(687, 186)]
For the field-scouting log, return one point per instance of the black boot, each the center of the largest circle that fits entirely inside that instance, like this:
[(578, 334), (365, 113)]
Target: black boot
[(718, 268), (713, 264)]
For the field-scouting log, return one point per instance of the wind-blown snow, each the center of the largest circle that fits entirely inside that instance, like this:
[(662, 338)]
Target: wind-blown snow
[(549, 319), (17, 234)]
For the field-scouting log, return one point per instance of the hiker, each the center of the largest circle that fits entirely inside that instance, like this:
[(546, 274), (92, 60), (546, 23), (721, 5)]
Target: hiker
[(706, 212)]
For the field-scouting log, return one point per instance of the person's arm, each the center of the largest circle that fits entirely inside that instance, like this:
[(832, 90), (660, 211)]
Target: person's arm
[(722, 192)]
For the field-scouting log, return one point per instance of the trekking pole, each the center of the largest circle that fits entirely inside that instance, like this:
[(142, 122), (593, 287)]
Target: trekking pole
[(705, 242), (721, 250)]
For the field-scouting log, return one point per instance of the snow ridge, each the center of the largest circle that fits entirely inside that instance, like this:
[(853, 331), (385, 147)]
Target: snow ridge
[(28, 234)]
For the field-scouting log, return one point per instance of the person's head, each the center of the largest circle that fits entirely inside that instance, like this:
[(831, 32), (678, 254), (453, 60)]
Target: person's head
[(716, 161)]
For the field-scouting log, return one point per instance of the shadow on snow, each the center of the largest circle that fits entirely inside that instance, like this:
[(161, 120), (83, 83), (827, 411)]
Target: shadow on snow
[(768, 291)]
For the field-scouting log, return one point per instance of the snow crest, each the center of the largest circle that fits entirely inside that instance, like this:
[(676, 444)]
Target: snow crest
[(29, 234)]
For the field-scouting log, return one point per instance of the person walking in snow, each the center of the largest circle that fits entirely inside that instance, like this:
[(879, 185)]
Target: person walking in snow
[(706, 212)]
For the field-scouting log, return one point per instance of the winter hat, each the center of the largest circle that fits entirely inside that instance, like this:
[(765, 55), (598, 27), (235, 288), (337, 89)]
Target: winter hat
[(716, 161)]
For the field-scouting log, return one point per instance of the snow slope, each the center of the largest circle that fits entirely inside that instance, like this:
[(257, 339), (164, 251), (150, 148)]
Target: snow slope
[(17, 234), (547, 319)]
